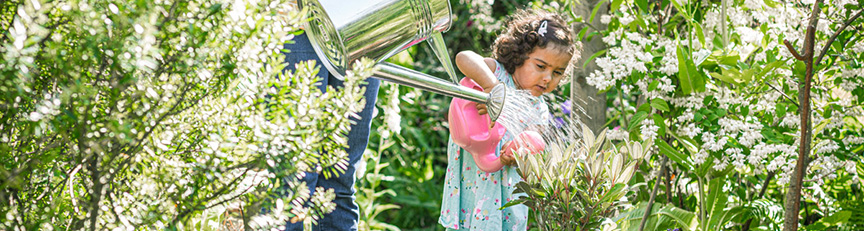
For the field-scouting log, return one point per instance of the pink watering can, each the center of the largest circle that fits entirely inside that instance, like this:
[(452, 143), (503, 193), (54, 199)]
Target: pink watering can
[(471, 131)]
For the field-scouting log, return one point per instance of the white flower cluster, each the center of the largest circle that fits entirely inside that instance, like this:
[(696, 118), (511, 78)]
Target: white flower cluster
[(750, 132), (851, 78), (826, 146), (766, 102), (835, 121), (690, 130), (737, 157), (727, 97), (700, 156), (670, 56), (853, 140), (649, 129), (692, 101), (825, 167), (785, 166), (850, 167), (392, 119), (791, 121), (709, 143), (720, 164), (622, 60), (617, 134), (760, 152)]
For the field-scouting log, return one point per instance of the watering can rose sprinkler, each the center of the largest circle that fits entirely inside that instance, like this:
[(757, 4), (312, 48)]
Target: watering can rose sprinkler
[(342, 32), (473, 132)]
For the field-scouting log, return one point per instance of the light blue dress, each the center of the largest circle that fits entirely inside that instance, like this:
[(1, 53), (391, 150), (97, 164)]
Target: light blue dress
[(472, 198)]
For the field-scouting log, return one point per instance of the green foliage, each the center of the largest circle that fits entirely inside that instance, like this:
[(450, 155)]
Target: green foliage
[(577, 186), (722, 92), (162, 115), (368, 197)]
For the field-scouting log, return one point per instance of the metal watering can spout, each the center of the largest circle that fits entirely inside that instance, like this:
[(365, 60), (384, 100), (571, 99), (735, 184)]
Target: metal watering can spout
[(344, 31), (494, 100)]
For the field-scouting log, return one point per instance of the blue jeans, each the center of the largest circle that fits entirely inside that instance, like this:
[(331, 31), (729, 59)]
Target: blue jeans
[(346, 214)]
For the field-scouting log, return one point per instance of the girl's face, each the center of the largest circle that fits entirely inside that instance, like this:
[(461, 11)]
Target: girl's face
[(542, 71)]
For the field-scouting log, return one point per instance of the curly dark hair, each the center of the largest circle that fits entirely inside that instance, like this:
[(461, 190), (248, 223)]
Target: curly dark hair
[(511, 48)]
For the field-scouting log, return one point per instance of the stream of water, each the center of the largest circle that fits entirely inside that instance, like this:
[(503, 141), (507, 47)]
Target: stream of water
[(519, 115)]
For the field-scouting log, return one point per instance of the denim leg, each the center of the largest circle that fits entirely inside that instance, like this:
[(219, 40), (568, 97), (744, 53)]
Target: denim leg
[(346, 214), (301, 50)]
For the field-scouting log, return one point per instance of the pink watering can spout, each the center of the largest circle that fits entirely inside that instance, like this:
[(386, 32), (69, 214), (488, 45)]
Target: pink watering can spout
[(471, 131)]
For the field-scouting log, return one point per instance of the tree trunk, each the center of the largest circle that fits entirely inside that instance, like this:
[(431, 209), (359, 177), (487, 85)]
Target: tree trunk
[(793, 195), (589, 106)]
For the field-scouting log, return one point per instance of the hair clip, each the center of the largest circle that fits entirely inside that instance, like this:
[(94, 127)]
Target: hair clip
[(542, 29)]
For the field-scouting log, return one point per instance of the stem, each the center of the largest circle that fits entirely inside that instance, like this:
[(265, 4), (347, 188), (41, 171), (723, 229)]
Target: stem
[(723, 29), (653, 194), (668, 178), (626, 125), (746, 225), (702, 212)]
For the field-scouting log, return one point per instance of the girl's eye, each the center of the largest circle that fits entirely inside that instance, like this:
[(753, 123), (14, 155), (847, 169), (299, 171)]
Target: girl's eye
[(558, 73), (540, 66)]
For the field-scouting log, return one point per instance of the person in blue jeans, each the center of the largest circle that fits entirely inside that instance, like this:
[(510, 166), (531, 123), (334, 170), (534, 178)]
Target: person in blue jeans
[(346, 214)]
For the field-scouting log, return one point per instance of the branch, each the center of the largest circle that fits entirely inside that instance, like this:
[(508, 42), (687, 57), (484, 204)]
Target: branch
[(746, 225), (782, 93), (792, 50), (793, 195), (653, 194), (834, 36)]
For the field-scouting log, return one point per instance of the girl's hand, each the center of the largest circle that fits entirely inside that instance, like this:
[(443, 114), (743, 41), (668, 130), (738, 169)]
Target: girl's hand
[(481, 108), (507, 158)]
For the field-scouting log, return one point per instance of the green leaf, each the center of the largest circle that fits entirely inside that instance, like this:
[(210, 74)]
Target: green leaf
[(733, 76), (715, 203), (615, 5), (581, 34), (689, 77), (684, 218), (595, 55), (643, 4), (614, 193), (658, 120), (770, 67), (673, 154), (829, 221), (636, 120), (659, 104), (699, 35), (770, 3), (683, 73), (594, 12)]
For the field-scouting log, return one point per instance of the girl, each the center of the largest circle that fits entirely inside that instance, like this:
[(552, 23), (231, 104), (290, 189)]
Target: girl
[(534, 54)]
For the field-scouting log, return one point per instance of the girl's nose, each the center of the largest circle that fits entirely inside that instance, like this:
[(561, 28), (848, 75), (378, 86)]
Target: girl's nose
[(547, 77)]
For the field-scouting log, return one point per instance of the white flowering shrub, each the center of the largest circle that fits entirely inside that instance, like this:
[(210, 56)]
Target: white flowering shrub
[(714, 84), (162, 115)]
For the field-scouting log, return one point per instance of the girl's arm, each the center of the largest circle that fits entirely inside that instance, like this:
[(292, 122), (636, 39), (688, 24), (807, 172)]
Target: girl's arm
[(477, 68)]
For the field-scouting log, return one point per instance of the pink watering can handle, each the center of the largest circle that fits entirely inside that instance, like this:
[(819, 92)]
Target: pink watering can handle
[(472, 132)]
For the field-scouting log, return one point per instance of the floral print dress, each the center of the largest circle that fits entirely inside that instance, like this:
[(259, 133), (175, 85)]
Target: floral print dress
[(472, 198)]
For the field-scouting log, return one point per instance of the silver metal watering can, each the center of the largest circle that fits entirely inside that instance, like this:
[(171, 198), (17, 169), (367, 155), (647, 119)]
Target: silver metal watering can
[(343, 31)]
